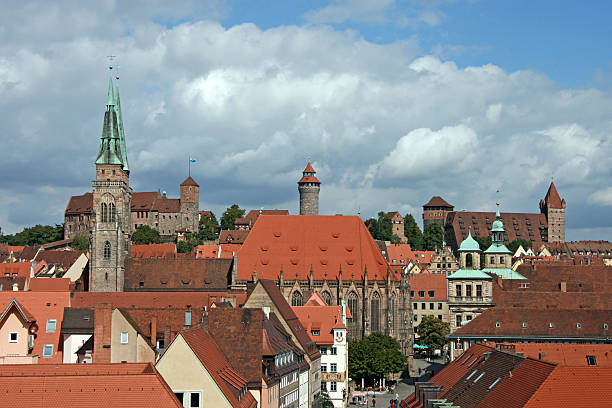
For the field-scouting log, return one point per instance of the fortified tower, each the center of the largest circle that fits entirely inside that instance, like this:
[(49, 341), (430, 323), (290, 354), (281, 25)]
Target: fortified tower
[(190, 201), (112, 196), (553, 207), (309, 186)]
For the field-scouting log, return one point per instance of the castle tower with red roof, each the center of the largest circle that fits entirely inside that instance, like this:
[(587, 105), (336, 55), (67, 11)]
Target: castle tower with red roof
[(190, 202), (112, 197), (435, 211), (553, 207), (309, 186)]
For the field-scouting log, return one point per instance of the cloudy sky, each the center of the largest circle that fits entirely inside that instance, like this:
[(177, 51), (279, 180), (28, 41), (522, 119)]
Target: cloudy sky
[(393, 101)]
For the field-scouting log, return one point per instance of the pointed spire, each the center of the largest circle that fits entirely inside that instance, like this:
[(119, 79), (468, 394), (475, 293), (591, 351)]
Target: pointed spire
[(110, 97), (122, 147), (497, 214), (552, 199)]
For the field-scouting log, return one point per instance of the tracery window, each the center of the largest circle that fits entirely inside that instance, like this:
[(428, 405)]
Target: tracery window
[(107, 250), (296, 299)]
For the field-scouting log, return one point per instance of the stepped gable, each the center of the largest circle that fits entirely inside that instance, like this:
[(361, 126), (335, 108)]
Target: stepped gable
[(177, 274), (552, 198), (84, 385), (80, 204), (437, 201), (574, 387), (231, 383), (299, 244)]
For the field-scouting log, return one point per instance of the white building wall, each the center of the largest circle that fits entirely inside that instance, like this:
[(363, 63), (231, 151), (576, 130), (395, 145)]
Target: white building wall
[(341, 361), (72, 343), (303, 389)]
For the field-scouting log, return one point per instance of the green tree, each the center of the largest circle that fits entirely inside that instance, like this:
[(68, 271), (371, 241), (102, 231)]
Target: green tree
[(413, 233), (433, 236), (513, 246), (80, 243), (144, 235), (433, 332), (36, 235), (381, 228), (322, 401), (190, 242), (209, 228), (375, 356), (229, 216)]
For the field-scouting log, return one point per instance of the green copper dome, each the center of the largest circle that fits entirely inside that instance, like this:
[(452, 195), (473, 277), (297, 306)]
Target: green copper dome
[(469, 244), (498, 225)]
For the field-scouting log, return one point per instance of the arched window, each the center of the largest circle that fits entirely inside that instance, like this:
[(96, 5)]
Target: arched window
[(112, 212), (107, 250), (469, 262), (326, 297), (393, 311), (353, 324), (296, 299), (104, 212), (375, 312)]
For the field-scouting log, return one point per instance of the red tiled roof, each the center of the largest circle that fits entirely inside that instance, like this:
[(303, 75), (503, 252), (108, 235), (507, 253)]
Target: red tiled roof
[(309, 169), (574, 387), (322, 318), (227, 379), (298, 243), (196, 300), (437, 201), (144, 200), (61, 258), (567, 324), (153, 251), (167, 205), (233, 236), (21, 309), (6, 283), (80, 204), (190, 182), (49, 285), (15, 248), (426, 282), (252, 216), (84, 385), (552, 197), (43, 306), (424, 257), (17, 269), (566, 354), (399, 252), (309, 179), (224, 251)]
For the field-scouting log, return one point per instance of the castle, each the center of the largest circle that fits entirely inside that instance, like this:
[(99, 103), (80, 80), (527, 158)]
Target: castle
[(112, 211)]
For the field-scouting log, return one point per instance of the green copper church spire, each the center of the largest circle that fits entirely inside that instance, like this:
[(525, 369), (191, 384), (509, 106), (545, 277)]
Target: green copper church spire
[(110, 146), (122, 147)]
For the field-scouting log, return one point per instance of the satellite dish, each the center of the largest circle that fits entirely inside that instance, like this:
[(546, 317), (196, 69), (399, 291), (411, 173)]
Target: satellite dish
[(33, 328)]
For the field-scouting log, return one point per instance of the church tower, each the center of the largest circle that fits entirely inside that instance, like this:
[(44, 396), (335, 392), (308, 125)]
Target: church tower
[(309, 186), (553, 207), (112, 196)]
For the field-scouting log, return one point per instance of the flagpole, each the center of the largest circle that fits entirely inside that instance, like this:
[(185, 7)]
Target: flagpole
[(189, 166)]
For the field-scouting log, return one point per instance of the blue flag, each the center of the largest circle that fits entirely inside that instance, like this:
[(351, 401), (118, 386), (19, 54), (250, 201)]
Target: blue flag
[(191, 160)]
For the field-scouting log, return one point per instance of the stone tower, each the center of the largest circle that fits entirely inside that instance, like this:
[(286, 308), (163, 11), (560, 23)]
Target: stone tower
[(436, 211), (553, 207), (112, 196), (190, 202), (309, 186)]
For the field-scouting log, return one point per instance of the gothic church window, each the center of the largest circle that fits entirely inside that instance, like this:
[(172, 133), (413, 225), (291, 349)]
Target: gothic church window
[(104, 212), (353, 305), (326, 297), (296, 299), (375, 312), (112, 212), (107, 250)]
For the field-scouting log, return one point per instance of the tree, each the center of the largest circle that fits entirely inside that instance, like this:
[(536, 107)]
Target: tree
[(433, 236), (146, 235), (433, 332), (80, 243), (190, 242), (375, 356), (209, 228), (229, 216), (381, 228), (36, 235), (413, 233), (514, 245), (322, 401)]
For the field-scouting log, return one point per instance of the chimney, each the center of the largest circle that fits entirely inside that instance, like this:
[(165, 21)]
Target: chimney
[(154, 331), (563, 286)]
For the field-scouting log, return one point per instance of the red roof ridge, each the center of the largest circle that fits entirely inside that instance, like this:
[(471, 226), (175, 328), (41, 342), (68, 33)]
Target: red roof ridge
[(190, 182), (552, 197), (309, 169), (437, 201)]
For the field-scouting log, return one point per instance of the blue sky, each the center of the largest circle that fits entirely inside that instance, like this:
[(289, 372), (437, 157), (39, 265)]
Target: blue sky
[(394, 101)]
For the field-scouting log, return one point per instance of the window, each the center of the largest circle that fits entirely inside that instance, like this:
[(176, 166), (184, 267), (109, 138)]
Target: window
[(323, 350), (112, 212), (578, 325), (188, 318), (412, 293), (124, 338), (334, 351), (591, 360), (421, 293), (415, 306), (458, 320), (48, 350), (104, 212), (323, 367), (497, 324), (296, 299), (333, 367), (468, 290), (439, 306), (194, 400), (107, 250), (51, 325), (439, 317), (524, 325), (479, 290), (458, 290), (431, 293), (551, 325), (316, 332), (323, 386), (431, 306), (375, 312), (333, 386), (501, 260), (13, 337), (605, 326), (415, 317), (492, 259), (422, 306)]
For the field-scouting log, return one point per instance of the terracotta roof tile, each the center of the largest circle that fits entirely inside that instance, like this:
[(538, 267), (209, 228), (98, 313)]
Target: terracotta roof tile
[(190, 182), (437, 201), (195, 300), (552, 197), (16, 269), (566, 354), (80, 204), (144, 200), (309, 169), (153, 251), (423, 283), (79, 385), (225, 251), (60, 258), (322, 318), (167, 205), (49, 285), (297, 243), (233, 236)]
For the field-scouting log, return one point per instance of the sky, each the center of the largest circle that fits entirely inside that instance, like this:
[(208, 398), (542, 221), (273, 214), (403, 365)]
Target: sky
[(393, 102)]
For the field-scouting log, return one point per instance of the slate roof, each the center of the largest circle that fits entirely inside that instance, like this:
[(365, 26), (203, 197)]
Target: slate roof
[(177, 274), (437, 201), (77, 321), (231, 384), (297, 243), (84, 385)]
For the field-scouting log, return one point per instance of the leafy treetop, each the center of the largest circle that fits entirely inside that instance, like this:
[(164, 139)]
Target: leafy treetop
[(374, 356), (413, 233), (144, 235), (229, 216), (433, 332), (36, 235), (433, 236)]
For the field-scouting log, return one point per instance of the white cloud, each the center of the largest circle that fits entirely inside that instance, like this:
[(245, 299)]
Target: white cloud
[(602, 197), (368, 11)]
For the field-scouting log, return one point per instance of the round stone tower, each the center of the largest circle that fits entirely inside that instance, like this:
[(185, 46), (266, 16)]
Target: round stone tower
[(309, 186)]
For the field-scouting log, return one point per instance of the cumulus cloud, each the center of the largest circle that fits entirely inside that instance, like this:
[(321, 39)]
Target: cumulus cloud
[(386, 129), (602, 197)]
